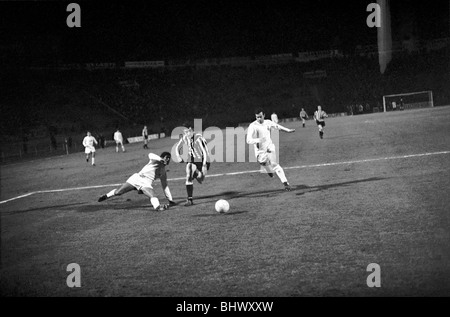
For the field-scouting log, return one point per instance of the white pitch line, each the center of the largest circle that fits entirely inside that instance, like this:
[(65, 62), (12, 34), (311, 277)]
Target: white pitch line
[(240, 173), (21, 196), (367, 160)]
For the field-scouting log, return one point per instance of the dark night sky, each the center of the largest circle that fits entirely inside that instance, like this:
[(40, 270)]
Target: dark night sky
[(155, 30)]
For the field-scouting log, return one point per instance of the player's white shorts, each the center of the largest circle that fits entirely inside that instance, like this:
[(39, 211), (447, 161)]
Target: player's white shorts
[(139, 181), (89, 149), (267, 156)]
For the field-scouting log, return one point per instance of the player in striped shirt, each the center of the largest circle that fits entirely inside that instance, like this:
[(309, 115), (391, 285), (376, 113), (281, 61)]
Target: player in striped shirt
[(143, 181), (258, 133), (197, 163), (320, 116)]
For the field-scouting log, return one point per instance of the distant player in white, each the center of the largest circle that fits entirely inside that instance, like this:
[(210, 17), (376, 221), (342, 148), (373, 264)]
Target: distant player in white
[(119, 140), (197, 164), (320, 116), (89, 143), (259, 134), (303, 116), (274, 117), (143, 181)]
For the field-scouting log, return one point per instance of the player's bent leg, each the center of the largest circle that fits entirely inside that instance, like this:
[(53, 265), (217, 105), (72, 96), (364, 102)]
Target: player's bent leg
[(153, 199), (267, 169), (199, 175), (280, 173), (190, 169), (126, 187)]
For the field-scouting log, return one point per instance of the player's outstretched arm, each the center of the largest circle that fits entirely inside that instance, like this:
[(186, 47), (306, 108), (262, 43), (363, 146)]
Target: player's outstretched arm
[(280, 127), (166, 190)]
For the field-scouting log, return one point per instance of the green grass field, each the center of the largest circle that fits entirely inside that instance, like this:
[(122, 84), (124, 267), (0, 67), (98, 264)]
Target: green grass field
[(374, 190)]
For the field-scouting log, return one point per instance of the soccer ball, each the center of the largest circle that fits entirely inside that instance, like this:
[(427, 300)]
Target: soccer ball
[(222, 206)]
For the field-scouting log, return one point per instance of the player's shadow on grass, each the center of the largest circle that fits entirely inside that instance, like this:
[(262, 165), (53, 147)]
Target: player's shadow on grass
[(235, 194), (328, 186), (54, 207), (221, 214), (300, 189), (117, 204), (346, 136)]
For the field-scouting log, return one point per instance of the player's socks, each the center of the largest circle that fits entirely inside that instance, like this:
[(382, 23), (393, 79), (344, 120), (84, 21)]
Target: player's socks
[(155, 202), (93, 161), (162, 207), (287, 187), (280, 172), (190, 190), (111, 193)]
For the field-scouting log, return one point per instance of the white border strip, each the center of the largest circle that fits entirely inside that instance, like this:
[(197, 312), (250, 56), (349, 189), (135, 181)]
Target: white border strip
[(240, 173)]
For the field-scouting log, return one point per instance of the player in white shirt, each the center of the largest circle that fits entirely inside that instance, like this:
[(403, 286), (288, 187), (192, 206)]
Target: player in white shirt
[(89, 143), (119, 140), (143, 181), (259, 134), (320, 116), (303, 116), (197, 164), (274, 117)]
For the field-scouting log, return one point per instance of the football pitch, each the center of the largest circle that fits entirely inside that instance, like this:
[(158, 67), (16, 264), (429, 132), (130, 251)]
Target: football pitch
[(374, 190)]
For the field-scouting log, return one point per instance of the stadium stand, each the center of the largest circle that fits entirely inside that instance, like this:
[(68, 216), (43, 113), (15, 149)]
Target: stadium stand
[(74, 99)]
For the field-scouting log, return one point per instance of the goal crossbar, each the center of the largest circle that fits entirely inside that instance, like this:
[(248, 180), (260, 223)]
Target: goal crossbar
[(428, 92)]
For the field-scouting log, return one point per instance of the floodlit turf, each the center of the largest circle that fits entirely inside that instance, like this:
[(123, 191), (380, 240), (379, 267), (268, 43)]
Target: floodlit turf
[(317, 240)]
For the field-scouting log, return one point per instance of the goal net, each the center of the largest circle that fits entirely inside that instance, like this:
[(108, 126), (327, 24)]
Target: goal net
[(414, 100)]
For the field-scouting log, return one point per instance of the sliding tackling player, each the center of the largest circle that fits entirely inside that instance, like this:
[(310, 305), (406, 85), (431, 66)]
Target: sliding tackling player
[(143, 181)]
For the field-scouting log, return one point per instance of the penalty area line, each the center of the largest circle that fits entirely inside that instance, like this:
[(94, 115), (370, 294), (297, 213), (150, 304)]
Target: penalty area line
[(241, 173)]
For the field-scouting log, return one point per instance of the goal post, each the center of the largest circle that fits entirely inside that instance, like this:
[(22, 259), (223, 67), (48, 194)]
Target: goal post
[(413, 100)]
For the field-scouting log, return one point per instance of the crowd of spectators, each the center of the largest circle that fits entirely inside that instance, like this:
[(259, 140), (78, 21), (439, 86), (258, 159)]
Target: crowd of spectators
[(225, 96)]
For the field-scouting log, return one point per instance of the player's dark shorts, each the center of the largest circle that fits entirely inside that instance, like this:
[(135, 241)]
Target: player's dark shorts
[(200, 165), (322, 123)]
